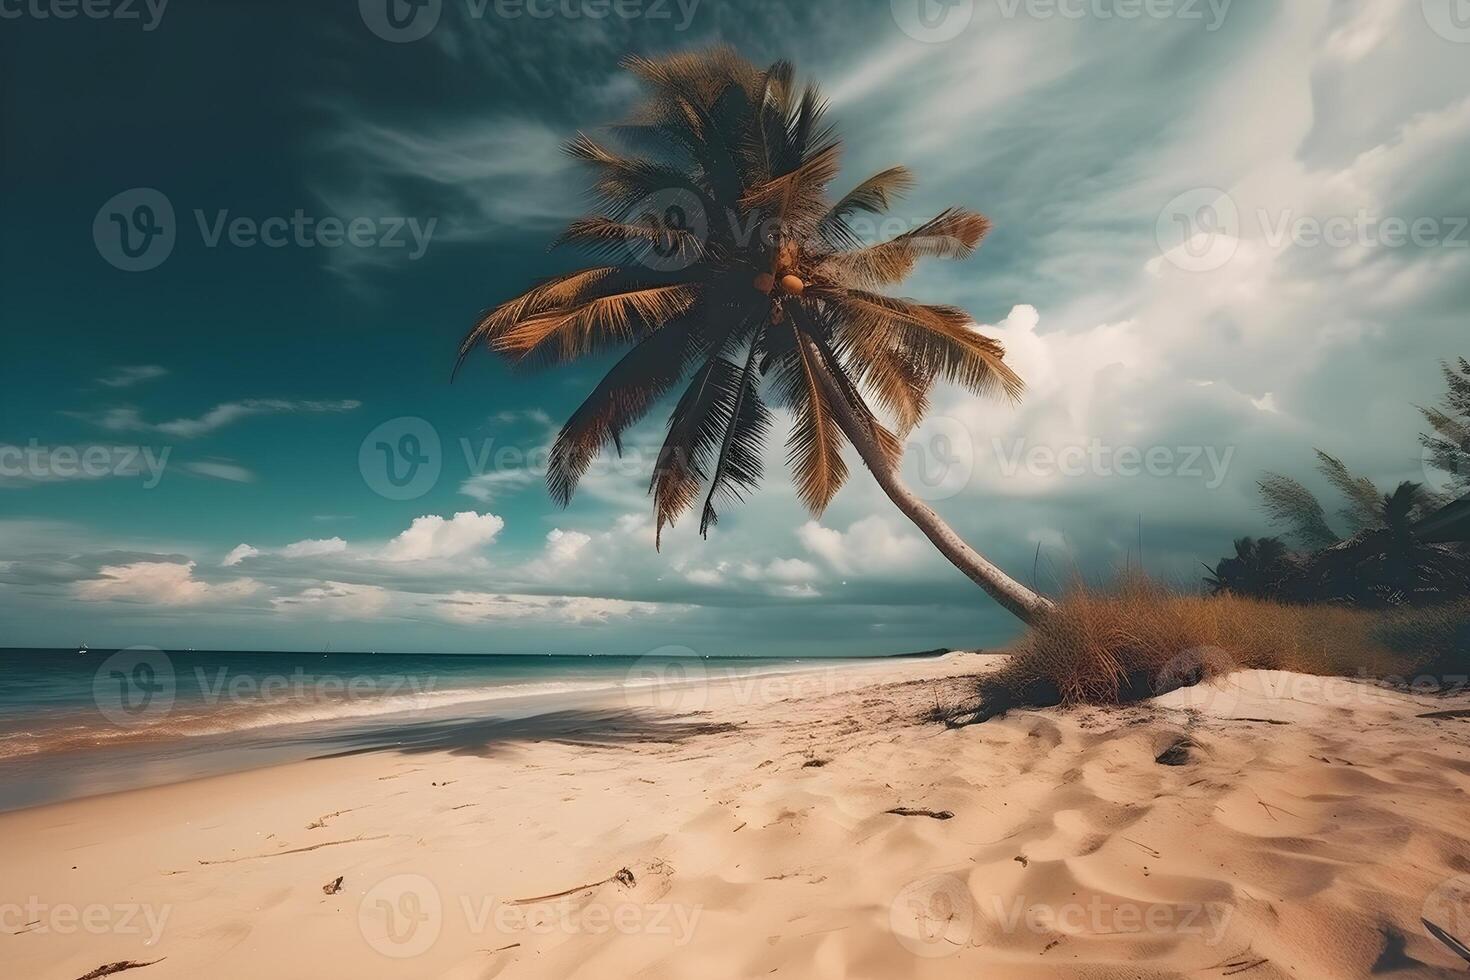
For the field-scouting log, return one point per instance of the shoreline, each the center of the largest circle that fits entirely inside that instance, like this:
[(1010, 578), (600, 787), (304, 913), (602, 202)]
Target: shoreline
[(233, 734), (772, 826)]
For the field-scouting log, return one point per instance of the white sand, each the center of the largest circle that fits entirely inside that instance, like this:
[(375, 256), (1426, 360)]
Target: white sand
[(1308, 848)]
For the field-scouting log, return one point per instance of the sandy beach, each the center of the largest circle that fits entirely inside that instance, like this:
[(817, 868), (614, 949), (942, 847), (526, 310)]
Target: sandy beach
[(1269, 826)]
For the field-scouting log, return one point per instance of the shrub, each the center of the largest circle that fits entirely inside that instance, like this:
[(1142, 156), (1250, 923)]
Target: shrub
[(1138, 638)]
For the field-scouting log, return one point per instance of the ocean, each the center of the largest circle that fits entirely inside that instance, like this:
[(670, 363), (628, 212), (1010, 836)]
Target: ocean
[(80, 723)]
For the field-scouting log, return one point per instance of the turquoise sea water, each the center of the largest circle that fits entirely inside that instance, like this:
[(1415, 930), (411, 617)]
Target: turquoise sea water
[(78, 723)]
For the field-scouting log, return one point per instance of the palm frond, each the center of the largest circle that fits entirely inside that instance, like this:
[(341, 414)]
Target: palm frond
[(739, 468), (794, 201), (698, 76), (954, 234), (620, 182), (1292, 506), (873, 196), (554, 293), (901, 388), (814, 449), (1364, 503), (630, 241), (626, 393), (696, 430), (940, 341), (606, 321)]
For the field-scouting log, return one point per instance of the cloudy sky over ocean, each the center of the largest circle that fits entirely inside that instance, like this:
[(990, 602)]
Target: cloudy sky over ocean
[(234, 283)]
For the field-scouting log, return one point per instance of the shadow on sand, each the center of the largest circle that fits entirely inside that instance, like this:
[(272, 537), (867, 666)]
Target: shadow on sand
[(597, 728)]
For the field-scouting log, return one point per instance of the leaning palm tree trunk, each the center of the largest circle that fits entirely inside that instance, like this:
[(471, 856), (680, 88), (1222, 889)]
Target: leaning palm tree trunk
[(1027, 605)]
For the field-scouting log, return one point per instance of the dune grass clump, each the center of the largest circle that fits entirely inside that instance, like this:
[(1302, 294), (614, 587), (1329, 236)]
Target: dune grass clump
[(1137, 638)]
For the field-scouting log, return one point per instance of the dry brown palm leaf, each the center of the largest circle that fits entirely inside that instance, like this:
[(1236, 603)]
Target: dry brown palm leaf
[(955, 234), (621, 318)]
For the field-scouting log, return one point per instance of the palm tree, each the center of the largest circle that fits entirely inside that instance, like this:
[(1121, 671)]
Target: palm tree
[(1448, 448), (726, 264), (1259, 569), (1291, 505)]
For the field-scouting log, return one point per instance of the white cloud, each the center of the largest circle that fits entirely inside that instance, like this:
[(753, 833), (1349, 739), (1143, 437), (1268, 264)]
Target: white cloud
[(314, 548), (125, 419), (432, 536), (565, 546), (871, 546), (336, 601), (238, 554), (220, 470), (126, 377), (481, 607), (488, 487), (161, 583)]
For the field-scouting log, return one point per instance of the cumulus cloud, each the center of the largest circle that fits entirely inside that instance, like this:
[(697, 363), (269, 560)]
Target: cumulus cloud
[(874, 545), (432, 536), (564, 546), (161, 583), (314, 548)]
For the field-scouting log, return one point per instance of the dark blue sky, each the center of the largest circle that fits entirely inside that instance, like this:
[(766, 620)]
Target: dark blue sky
[(261, 370)]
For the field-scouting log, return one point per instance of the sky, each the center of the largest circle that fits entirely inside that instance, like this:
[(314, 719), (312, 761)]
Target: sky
[(244, 238)]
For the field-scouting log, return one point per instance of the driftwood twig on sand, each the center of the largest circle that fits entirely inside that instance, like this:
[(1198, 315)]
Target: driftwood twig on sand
[(295, 850), (903, 811), (624, 877), (108, 969)]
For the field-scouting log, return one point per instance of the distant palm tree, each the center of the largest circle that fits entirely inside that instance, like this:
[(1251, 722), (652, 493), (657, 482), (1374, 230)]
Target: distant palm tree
[(1259, 569), (1449, 445), (1291, 505), (727, 264)]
